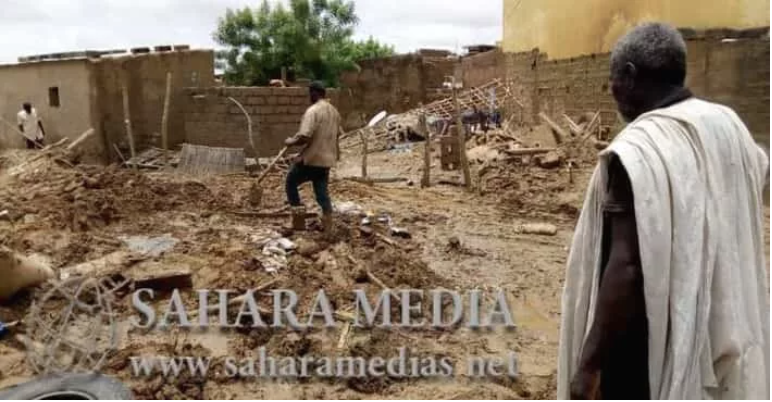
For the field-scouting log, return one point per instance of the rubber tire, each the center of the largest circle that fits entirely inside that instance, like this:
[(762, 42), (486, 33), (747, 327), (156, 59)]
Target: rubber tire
[(87, 386)]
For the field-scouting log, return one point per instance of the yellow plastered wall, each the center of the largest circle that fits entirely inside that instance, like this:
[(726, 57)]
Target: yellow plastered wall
[(567, 28)]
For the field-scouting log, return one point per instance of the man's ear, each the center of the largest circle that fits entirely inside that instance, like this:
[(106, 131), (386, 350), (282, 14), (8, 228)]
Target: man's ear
[(631, 75)]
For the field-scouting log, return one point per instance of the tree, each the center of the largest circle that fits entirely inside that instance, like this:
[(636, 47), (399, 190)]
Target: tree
[(311, 39)]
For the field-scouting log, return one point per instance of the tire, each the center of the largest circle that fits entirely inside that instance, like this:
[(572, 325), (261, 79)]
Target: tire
[(69, 386)]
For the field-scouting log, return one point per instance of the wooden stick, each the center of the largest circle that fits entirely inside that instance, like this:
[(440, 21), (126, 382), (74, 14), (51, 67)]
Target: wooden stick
[(575, 129), (386, 240), (426, 179), (363, 137), (270, 165), (165, 119), (83, 137), (557, 132), (120, 155), (527, 151), (588, 129), (344, 335), (249, 124), (127, 121), (461, 134)]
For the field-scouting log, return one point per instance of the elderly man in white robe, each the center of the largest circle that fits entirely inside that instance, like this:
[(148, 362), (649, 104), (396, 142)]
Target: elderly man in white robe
[(665, 294)]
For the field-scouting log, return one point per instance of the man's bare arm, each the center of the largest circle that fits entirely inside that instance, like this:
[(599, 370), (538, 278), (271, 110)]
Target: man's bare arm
[(620, 297)]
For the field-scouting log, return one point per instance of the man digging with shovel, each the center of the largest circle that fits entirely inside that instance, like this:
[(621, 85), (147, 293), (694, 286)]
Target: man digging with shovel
[(319, 135)]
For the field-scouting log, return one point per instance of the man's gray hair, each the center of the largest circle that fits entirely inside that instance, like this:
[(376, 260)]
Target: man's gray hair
[(656, 49)]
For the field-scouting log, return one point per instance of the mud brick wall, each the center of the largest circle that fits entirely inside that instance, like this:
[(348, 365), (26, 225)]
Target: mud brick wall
[(145, 77), (482, 68), (213, 120), (395, 84), (729, 67)]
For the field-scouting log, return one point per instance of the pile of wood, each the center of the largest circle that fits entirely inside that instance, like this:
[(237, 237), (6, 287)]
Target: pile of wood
[(153, 158)]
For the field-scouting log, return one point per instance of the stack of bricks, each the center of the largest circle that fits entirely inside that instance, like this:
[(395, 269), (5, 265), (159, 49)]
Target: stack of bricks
[(211, 119)]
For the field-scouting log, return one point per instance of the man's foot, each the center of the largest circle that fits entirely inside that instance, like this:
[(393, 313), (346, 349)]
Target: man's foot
[(298, 217), (327, 224)]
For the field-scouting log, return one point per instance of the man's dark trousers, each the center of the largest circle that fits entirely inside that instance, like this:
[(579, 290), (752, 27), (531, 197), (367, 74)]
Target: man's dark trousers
[(300, 173)]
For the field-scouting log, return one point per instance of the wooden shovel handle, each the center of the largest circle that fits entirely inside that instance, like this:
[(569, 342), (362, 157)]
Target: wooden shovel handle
[(273, 162)]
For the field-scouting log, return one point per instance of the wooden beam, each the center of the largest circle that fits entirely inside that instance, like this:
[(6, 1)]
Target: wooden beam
[(461, 134), (165, 119), (83, 137), (127, 120), (426, 178), (557, 132)]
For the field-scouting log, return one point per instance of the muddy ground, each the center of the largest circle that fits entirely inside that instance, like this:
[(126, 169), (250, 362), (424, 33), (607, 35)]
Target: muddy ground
[(74, 214)]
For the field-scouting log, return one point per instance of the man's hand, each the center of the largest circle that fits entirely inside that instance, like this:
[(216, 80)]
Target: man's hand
[(585, 385), (295, 140)]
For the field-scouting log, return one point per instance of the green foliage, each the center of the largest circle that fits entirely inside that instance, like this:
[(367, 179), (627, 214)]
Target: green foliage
[(311, 39)]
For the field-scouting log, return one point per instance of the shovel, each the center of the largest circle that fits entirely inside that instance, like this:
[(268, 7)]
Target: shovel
[(256, 192)]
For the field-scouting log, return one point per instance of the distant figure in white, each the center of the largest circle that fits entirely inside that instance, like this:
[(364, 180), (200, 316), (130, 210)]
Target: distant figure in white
[(31, 126), (665, 294)]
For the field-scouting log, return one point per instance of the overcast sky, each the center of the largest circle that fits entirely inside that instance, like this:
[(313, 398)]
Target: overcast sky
[(48, 26)]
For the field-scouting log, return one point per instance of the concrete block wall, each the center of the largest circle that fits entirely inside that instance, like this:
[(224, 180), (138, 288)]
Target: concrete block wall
[(211, 119)]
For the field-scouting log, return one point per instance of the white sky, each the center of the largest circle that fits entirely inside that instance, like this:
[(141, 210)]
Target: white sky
[(29, 27)]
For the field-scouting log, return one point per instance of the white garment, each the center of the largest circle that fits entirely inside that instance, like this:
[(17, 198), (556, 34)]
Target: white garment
[(698, 179), (30, 124)]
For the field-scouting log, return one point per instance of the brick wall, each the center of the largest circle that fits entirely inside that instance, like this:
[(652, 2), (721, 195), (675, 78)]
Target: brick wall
[(145, 76), (481, 68), (733, 71), (213, 120), (395, 84)]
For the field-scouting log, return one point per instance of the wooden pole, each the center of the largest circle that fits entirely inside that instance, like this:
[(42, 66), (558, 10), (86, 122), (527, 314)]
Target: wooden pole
[(83, 137), (165, 119), (461, 139), (363, 137), (127, 120), (426, 180), (249, 125)]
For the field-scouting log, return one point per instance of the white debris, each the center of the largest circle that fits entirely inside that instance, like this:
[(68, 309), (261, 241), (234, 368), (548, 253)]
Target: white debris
[(150, 246), (349, 208)]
